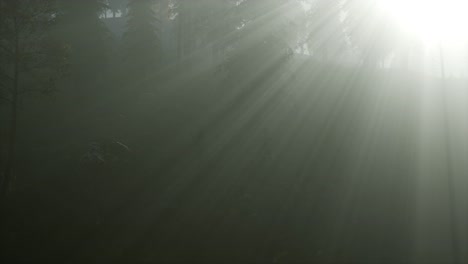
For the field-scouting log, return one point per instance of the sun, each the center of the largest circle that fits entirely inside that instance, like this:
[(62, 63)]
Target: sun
[(433, 21)]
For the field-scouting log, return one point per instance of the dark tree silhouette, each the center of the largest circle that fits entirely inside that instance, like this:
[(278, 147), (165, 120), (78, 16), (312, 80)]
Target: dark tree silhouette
[(80, 27), (117, 6), (264, 33), (29, 62), (203, 24), (141, 42), (325, 36), (184, 13)]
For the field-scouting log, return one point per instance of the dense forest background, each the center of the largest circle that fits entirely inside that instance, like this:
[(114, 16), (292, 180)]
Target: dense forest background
[(226, 131)]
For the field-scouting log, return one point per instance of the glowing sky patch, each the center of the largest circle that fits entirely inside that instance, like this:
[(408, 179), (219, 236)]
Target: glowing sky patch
[(431, 20)]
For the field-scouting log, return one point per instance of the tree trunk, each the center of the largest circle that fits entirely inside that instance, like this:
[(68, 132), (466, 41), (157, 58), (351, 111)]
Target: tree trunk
[(454, 225), (179, 38), (10, 160)]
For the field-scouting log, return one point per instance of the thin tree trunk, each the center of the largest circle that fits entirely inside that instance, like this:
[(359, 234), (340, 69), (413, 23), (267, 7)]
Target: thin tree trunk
[(10, 160), (454, 225), (179, 38)]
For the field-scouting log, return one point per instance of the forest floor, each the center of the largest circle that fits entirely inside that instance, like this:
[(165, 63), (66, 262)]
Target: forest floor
[(307, 167)]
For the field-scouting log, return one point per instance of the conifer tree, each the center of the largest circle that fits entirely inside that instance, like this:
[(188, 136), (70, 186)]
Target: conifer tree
[(200, 23), (117, 6), (325, 36), (141, 42), (264, 29), (30, 62), (80, 27)]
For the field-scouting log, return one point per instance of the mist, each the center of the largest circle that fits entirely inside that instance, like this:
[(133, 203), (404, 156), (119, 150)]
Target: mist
[(233, 131)]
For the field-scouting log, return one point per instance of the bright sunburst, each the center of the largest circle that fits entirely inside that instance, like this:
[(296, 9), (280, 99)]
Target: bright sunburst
[(433, 21)]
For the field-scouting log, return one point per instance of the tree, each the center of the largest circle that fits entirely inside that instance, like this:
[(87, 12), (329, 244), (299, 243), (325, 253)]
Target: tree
[(266, 34), (79, 26), (117, 6), (184, 12), (141, 42), (29, 62), (325, 35), (203, 24)]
